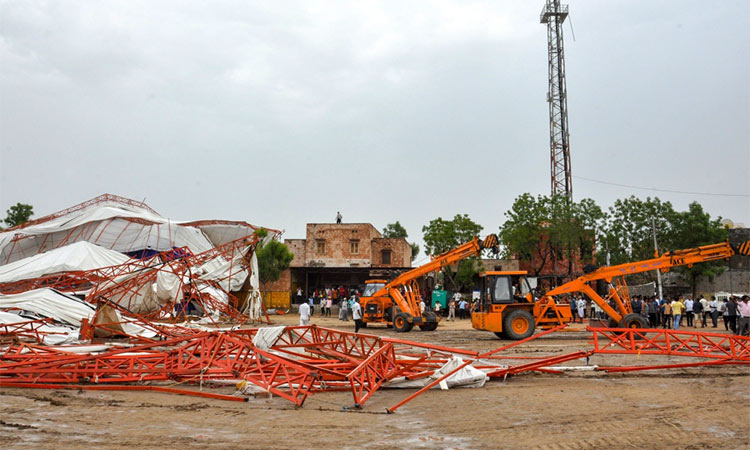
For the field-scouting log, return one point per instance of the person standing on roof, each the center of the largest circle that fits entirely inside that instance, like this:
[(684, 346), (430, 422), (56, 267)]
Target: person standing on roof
[(357, 316), (338, 217), (304, 314)]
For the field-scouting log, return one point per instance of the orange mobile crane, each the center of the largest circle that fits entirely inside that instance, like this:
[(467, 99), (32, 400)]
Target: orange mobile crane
[(397, 303), (510, 315)]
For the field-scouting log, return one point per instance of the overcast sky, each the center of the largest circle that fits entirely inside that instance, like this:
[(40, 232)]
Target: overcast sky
[(282, 113)]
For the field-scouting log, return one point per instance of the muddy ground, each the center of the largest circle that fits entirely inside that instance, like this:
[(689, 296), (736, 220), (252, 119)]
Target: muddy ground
[(694, 408)]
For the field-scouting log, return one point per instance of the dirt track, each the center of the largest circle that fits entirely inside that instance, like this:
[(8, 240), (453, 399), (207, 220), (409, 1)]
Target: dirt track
[(688, 408)]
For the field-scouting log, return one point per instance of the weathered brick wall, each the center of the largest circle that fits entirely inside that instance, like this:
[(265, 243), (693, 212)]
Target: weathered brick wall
[(337, 240), (282, 284), (298, 249), (400, 252), (507, 265)]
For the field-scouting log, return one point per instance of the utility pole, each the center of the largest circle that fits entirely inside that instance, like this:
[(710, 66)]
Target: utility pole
[(554, 14), (656, 255)]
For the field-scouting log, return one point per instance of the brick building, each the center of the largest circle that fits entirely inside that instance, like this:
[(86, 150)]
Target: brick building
[(346, 254)]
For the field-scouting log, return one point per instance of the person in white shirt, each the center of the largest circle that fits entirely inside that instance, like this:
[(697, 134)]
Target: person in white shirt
[(581, 304), (304, 314), (689, 311), (743, 308), (714, 312), (357, 316)]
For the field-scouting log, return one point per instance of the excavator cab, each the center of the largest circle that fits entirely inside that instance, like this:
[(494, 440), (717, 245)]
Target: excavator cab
[(506, 305)]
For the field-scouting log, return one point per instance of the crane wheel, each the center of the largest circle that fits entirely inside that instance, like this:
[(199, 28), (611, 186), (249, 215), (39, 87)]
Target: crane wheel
[(431, 322), (401, 323), (518, 324), (633, 321)]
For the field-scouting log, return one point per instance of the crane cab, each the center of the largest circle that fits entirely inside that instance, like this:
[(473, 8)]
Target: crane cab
[(374, 309)]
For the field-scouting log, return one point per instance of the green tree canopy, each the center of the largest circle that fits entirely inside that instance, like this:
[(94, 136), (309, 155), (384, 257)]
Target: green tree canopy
[(18, 214), (546, 229), (273, 257), (396, 230), (693, 228), (443, 235), (628, 233)]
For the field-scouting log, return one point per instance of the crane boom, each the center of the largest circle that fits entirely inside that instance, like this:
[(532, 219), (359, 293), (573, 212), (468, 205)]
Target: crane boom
[(663, 263), (398, 301), (471, 248)]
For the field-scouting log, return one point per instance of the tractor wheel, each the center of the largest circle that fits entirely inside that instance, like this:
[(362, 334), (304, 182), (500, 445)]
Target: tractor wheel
[(518, 324), (401, 323), (633, 321), (431, 322)]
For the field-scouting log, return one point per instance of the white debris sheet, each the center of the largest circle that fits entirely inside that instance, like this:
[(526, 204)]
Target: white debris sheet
[(48, 302), (49, 334), (469, 376), (79, 256), (67, 309), (266, 337)]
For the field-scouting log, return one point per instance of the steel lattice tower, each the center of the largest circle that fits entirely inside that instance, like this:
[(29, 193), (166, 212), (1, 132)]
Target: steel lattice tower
[(554, 14)]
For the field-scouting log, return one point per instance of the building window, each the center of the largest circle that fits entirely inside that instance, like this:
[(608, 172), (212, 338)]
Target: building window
[(385, 256), (320, 246), (354, 247)]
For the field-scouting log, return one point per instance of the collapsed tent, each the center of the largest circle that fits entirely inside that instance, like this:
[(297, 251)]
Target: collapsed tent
[(109, 221), (74, 257), (132, 264)]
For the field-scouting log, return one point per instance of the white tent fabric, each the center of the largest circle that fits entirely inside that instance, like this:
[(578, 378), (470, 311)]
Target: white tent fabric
[(73, 257), (50, 334), (254, 299), (50, 303), (64, 308), (110, 224), (469, 376), (221, 233), (221, 269), (266, 337)]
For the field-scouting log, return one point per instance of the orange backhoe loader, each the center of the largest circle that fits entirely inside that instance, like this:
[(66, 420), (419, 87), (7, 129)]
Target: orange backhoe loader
[(508, 309), (397, 303)]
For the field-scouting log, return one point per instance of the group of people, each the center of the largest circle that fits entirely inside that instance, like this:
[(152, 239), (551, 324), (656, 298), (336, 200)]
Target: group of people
[(678, 311), (347, 300)]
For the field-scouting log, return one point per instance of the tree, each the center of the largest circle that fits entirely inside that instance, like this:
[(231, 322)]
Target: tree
[(396, 230), (629, 235), (694, 228), (442, 235), (273, 258), (18, 214), (545, 230)]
